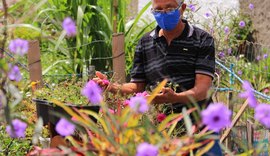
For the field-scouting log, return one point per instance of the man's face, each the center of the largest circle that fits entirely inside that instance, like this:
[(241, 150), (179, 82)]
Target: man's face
[(164, 4)]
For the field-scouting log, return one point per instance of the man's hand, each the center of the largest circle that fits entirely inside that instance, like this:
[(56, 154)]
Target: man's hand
[(101, 79), (167, 95)]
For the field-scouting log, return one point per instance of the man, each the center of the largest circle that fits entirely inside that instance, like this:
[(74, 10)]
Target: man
[(177, 51)]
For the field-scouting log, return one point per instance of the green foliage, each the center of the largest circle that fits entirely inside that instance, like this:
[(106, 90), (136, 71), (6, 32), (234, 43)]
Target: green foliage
[(9, 146), (26, 33), (67, 91)]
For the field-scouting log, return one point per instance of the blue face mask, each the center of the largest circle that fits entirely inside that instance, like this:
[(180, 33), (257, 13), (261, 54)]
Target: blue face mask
[(167, 20)]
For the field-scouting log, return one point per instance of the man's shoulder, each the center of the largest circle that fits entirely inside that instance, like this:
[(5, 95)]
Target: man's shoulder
[(148, 35), (200, 33)]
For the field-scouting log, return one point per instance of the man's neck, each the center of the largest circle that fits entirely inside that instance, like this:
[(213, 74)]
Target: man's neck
[(170, 35)]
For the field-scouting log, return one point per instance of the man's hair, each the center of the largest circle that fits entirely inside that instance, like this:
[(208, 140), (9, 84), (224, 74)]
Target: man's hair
[(178, 1)]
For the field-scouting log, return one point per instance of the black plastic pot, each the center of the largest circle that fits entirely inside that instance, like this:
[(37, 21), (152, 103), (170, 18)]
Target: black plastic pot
[(47, 110)]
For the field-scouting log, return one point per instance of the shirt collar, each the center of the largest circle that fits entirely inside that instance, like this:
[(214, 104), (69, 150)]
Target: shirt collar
[(188, 31)]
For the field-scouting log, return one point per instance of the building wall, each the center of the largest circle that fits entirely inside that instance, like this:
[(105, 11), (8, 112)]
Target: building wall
[(260, 17)]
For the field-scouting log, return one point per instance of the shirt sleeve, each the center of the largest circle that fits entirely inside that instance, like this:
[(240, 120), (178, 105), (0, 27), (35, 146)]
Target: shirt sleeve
[(137, 73), (205, 63)]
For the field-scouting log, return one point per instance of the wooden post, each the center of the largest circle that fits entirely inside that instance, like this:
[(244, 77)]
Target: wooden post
[(34, 64), (118, 46), (250, 126), (115, 12), (234, 121)]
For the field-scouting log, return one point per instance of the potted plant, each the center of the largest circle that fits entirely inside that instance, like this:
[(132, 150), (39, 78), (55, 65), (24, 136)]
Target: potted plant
[(68, 92)]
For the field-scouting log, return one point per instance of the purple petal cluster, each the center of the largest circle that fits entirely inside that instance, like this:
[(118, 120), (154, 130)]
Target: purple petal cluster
[(226, 30), (248, 93), (240, 72), (69, 26), (251, 6), (18, 46), (14, 74), (64, 127), (221, 55), (207, 15), (146, 149), (216, 116), (192, 7), (229, 51), (265, 56), (258, 58), (18, 130), (242, 24), (93, 92), (138, 104), (262, 114)]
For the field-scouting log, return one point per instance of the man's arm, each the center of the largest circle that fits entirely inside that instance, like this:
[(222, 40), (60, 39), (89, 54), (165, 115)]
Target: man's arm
[(126, 88), (198, 92)]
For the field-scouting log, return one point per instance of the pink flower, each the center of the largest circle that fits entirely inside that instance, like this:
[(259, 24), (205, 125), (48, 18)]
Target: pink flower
[(161, 117), (144, 94), (105, 82), (126, 102), (266, 91)]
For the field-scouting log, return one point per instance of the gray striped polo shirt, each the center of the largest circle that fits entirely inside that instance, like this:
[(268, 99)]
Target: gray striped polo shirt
[(193, 52)]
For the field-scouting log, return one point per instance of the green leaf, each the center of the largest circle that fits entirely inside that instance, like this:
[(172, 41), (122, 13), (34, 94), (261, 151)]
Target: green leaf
[(188, 122)]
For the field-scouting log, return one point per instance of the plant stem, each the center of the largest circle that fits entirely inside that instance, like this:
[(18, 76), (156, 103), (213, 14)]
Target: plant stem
[(5, 7)]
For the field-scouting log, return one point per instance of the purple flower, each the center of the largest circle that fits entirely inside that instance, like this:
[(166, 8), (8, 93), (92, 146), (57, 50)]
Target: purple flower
[(258, 58), (229, 51), (265, 67), (138, 104), (251, 6), (146, 149), (226, 30), (221, 55), (192, 7), (240, 72), (242, 24), (14, 74), (18, 46), (93, 92), (216, 116), (18, 130), (265, 56), (262, 114), (69, 26), (248, 93), (207, 15), (64, 127)]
